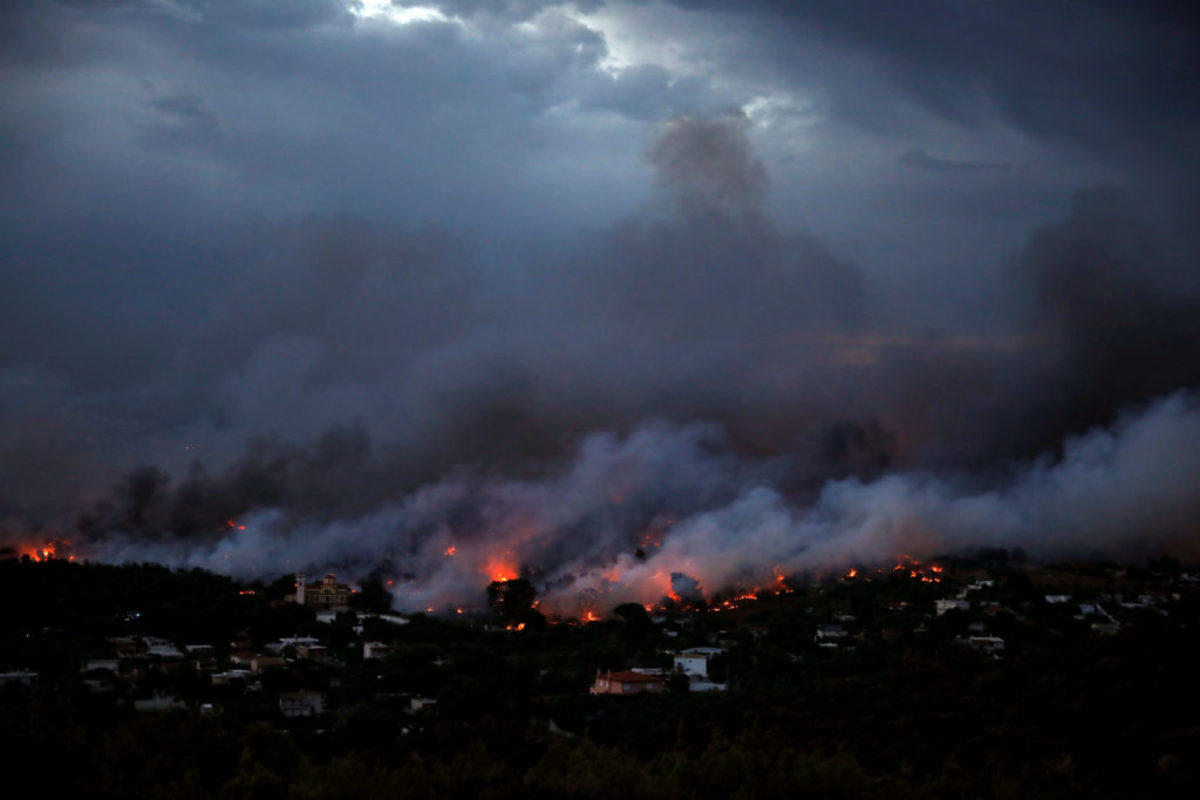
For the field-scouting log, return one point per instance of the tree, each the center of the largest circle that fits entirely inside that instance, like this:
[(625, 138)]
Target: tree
[(372, 597), (512, 600)]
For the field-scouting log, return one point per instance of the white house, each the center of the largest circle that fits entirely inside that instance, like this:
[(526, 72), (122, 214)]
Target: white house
[(951, 604), (376, 650)]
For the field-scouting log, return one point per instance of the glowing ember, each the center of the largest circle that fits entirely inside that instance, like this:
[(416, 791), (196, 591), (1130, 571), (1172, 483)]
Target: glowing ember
[(451, 550), (233, 526), (852, 573)]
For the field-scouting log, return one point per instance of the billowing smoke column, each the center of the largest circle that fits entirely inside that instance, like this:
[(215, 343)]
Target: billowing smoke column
[(687, 403), (670, 512)]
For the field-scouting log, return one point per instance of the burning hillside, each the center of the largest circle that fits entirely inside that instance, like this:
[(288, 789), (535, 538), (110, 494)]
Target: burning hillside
[(673, 515)]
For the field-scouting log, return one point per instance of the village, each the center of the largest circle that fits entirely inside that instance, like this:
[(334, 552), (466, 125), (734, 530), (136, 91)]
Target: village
[(333, 666)]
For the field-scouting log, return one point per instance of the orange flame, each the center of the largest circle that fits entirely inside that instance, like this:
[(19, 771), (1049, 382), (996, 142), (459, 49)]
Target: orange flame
[(451, 550), (47, 552)]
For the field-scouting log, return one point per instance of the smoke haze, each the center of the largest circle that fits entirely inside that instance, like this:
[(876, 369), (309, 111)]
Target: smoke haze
[(631, 299)]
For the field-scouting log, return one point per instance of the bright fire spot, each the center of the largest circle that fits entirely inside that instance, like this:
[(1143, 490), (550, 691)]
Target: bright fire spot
[(590, 617), (429, 610), (498, 569), (234, 526), (852, 573), (246, 592), (451, 550), (458, 611), (48, 552), (520, 626)]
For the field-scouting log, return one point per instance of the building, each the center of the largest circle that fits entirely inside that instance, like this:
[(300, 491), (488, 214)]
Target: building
[(323, 596), (694, 660), (377, 650), (986, 644), (161, 648), (830, 633), (951, 604), (626, 682), (302, 704), (20, 677), (260, 664)]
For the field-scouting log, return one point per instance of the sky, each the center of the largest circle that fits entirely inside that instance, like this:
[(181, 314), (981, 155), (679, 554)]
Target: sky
[(599, 293)]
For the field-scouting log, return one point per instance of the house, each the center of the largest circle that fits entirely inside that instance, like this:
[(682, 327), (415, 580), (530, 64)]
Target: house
[(161, 648), (316, 652), (229, 676), (20, 677), (626, 682), (377, 650), (293, 642), (986, 644), (260, 664), (302, 704), (830, 632), (694, 660), (951, 604)]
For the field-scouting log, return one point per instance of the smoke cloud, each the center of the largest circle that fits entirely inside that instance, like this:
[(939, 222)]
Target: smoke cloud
[(671, 511), (630, 299)]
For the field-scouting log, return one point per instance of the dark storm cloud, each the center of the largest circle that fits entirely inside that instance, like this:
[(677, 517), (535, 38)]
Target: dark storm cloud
[(1093, 74), (919, 159)]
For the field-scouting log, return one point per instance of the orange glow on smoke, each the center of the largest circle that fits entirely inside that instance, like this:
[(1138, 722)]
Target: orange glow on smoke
[(500, 570)]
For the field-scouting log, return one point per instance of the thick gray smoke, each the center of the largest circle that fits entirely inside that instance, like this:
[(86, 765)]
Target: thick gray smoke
[(669, 510), (686, 401)]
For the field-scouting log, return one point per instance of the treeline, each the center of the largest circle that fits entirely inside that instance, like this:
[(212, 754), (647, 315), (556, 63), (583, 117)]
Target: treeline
[(180, 755)]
